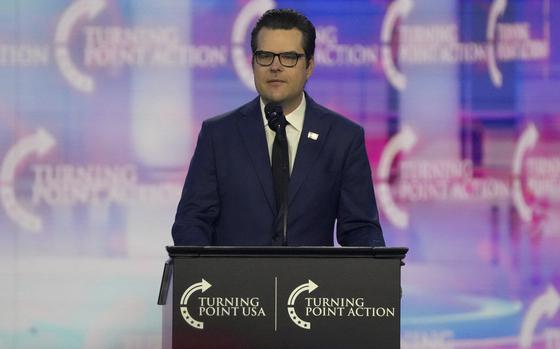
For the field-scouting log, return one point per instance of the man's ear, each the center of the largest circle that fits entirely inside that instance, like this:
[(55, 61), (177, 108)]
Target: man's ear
[(310, 66)]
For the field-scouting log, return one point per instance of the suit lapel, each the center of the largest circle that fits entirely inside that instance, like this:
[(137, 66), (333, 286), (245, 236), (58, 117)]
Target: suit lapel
[(308, 148), (251, 127)]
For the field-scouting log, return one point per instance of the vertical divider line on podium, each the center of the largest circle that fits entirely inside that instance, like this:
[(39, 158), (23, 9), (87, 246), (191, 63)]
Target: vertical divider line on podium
[(275, 303)]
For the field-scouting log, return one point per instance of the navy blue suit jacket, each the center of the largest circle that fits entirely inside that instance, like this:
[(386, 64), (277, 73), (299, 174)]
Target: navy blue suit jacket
[(228, 197)]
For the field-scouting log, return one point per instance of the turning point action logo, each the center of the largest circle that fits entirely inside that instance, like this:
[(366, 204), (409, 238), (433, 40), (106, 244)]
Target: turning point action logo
[(66, 185), (422, 44), (453, 180), (115, 46), (428, 180), (326, 307)]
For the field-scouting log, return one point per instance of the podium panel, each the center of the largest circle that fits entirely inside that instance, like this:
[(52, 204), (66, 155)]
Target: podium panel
[(278, 297)]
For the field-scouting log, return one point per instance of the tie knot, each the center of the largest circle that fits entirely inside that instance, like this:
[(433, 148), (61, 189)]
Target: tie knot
[(277, 121)]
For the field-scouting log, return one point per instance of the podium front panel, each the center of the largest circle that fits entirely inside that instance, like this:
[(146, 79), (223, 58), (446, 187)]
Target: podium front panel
[(285, 302)]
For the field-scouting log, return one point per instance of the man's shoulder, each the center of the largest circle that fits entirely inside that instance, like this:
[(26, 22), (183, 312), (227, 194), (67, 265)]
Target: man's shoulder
[(339, 121)]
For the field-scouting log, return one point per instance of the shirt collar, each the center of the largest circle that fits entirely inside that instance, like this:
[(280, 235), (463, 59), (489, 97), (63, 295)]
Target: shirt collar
[(295, 118)]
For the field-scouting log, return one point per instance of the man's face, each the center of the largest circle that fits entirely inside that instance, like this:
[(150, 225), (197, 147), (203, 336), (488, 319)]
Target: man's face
[(276, 83)]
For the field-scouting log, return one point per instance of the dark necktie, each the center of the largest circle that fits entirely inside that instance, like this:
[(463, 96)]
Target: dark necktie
[(280, 169), (280, 163)]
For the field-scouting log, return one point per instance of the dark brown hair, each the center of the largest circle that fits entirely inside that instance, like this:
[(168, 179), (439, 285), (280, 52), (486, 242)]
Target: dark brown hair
[(287, 19)]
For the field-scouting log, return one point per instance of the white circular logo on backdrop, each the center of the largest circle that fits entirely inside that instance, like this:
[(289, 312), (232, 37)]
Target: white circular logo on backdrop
[(75, 12), (397, 10), (241, 27), (37, 144)]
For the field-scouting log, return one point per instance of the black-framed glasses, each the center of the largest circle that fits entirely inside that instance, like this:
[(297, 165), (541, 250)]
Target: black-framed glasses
[(287, 59)]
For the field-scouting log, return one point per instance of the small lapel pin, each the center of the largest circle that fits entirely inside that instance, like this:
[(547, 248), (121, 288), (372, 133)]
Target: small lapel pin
[(312, 135)]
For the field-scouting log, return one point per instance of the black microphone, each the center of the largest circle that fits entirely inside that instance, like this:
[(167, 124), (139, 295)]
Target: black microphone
[(280, 166), (275, 116)]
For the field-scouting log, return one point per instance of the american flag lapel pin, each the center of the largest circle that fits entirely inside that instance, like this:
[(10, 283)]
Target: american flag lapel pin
[(312, 135)]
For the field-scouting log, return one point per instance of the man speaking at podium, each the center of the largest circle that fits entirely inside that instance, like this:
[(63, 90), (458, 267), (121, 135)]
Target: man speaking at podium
[(281, 169)]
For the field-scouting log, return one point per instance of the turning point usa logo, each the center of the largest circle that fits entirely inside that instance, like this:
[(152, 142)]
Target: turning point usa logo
[(218, 306)]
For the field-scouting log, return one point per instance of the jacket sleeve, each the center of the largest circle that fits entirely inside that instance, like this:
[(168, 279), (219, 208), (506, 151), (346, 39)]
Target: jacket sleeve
[(199, 206), (357, 216)]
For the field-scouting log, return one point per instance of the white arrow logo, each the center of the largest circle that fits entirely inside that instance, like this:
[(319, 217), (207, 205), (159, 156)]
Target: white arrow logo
[(527, 141), (548, 304), (496, 10), (241, 62), (402, 141), (310, 286), (75, 12), (39, 143), (398, 9), (199, 286)]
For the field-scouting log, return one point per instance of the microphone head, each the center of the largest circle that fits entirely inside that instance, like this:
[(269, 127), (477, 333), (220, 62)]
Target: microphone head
[(275, 115)]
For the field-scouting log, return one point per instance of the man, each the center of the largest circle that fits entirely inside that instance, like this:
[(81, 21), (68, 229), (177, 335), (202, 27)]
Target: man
[(229, 197)]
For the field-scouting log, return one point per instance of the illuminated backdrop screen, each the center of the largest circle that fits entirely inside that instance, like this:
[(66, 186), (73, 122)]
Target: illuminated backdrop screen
[(101, 103)]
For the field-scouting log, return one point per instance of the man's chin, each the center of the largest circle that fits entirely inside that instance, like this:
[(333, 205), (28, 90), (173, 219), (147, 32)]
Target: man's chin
[(273, 99)]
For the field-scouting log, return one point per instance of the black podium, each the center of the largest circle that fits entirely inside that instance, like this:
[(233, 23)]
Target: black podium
[(281, 297)]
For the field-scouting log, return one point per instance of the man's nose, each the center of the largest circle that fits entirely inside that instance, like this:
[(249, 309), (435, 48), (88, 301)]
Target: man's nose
[(275, 65)]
